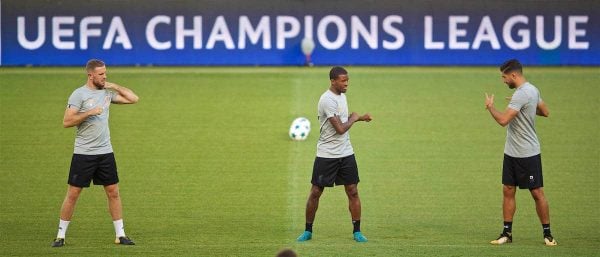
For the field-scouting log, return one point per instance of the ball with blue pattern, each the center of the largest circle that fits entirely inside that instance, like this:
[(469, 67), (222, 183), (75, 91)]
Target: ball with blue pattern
[(299, 129)]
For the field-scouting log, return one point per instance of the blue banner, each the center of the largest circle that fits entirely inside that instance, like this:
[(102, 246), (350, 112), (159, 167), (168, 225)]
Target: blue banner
[(352, 32)]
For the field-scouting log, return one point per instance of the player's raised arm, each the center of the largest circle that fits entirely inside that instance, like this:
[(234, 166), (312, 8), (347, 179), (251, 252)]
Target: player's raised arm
[(341, 127), (503, 118), (124, 95)]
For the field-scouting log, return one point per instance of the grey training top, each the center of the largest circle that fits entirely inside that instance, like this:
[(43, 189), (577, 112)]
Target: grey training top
[(521, 138), (331, 144), (93, 135)]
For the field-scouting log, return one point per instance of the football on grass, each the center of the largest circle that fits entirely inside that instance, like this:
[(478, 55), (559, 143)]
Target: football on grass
[(299, 129)]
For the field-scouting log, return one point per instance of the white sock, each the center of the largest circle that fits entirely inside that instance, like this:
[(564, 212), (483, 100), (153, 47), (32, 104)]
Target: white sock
[(62, 228), (119, 228)]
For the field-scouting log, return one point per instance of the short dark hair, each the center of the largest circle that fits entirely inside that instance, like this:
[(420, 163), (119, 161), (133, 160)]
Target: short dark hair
[(510, 66), (336, 71), (93, 64), (286, 253)]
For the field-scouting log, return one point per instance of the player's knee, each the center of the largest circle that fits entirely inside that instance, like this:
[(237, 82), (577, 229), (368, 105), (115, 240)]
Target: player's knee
[(509, 191), (352, 193), (538, 198), (72, 195), (112, 194), (353, 196), (315, 194), (537, 194), (316, 190)]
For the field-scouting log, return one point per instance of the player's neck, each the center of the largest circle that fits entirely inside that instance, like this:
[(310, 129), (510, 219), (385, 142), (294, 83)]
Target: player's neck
[(520, 83), (91, 86), (333, 90)]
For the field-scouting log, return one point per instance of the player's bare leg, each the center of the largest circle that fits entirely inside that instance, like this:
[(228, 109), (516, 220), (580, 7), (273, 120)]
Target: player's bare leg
[(116, 212), (68, 206), (541, 205), (509, 207), (353, 201), (543, 212), (355, 211), (312, 204), (114, 201), (66, 213)]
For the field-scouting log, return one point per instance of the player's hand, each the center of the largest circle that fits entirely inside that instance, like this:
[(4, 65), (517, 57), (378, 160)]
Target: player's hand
[(112, 86), (366, 117), (489, 100), (96, 111), (108, 85)]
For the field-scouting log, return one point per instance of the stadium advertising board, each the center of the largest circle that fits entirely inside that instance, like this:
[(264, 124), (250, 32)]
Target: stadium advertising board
[(189, 32)]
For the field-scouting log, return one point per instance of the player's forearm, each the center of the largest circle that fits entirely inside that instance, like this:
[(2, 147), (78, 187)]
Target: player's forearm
[(497, 115), (346, 126), (126, 93), (75, 119)]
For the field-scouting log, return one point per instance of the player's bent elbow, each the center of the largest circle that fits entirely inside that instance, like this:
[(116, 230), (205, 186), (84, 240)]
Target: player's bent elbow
[(68, 123), (503, 123), (131, 100)]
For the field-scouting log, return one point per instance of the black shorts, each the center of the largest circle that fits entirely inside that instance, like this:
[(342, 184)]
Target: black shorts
[(523, 172), (101, 168), (341, 171)]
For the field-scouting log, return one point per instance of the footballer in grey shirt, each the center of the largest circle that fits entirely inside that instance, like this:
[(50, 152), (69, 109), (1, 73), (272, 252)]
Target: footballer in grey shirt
[(93, 158), (522, 165), (335, 163)]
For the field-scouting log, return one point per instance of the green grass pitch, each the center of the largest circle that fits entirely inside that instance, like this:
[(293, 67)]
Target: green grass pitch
[(207, 169)]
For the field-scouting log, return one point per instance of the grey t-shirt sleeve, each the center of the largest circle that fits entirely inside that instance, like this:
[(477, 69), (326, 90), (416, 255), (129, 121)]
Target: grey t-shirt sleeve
[(75, 100), (329, 107), (113, 96), (518, 100)]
